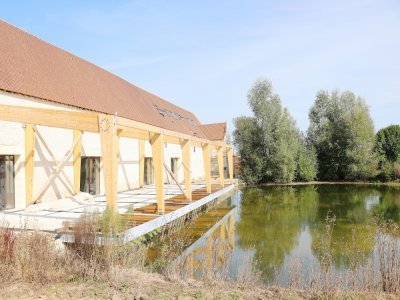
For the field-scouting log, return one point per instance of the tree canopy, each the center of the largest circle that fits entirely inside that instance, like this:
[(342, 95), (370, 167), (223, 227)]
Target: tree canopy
[(387, 150), (342, 133), (340, 143), (388, 143), (269, 142)]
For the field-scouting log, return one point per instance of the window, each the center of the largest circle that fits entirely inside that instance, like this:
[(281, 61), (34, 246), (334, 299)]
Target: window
[(7, 193), (90, 175), (171, 114), (148, 171), (174, 166)]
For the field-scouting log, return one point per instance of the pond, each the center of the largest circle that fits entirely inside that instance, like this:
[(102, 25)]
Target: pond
[(274, 231)]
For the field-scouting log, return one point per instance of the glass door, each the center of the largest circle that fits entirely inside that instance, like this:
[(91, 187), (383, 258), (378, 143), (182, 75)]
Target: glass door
[(7, 194), (174, 166), (148, 171), (90, 175)]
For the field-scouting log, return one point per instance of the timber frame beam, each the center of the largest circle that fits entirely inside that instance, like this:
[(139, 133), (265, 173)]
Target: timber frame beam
[(110, 128), (29, 162), (207, 166), (157, 148), (88, 121), (185, 147), (220, 157), (109, 154)]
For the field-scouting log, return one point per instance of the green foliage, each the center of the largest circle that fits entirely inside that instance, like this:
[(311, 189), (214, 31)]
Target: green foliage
[(388, 143), (306, 162), (387, 150), (248, 140), (386, 171), (269, 142), (342, 133)]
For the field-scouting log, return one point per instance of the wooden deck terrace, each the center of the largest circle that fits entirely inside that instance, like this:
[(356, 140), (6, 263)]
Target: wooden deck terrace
[(145, 219)]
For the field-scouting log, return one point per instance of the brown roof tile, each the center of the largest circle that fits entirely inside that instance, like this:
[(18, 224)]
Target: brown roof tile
[(32, 67), (214, 132)]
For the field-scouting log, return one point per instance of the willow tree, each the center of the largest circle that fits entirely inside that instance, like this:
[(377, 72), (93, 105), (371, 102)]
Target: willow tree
[(342, 133), (269, 141), (387, 149)]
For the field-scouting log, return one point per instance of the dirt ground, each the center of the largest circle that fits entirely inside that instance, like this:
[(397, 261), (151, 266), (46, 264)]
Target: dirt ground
[(140, 285)]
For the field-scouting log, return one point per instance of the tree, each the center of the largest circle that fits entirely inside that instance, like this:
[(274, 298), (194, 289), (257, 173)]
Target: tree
[(247, 136), (268, 142), (306, 161), (342, 133), (387, 149)]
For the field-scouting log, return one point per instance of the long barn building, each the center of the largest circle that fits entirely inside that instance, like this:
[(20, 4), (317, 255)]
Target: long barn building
[(68, 126)]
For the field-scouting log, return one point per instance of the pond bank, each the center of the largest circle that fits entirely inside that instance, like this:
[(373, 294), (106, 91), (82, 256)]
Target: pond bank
[(392, 183), (141, 285)]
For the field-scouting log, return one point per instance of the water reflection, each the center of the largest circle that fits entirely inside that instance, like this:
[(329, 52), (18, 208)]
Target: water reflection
[(271, 221), (203, 247), (210, 254), (284, 223), (271, 226)]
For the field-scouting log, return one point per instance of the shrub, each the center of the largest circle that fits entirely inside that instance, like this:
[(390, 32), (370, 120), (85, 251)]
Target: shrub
[(386, 172)]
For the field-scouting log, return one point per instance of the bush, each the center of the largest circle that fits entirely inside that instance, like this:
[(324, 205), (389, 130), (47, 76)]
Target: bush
[(386, 172), (306, 162)]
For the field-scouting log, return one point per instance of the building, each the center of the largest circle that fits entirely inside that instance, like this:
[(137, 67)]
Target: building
[(68, 126)]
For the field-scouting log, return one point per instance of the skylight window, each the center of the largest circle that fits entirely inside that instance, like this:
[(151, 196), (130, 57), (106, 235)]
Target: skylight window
[(168, 113)]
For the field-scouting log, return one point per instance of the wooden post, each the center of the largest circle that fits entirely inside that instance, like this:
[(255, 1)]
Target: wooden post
[(141, 163), (220, 155), (109, 153), (207, 166), (157, 148), (29, 162), (185, 146), (230, 164), (77, 160)]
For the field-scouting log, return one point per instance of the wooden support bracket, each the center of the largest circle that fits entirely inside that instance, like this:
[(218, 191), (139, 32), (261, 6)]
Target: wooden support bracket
[(57, 170), (70, 186)]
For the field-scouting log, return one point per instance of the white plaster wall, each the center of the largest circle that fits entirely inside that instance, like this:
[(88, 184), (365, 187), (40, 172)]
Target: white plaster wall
[(128, 169), (12, 142), (197, 163)]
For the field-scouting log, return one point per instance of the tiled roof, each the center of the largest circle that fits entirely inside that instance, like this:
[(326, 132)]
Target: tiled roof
[(33, 67), (214, 132)]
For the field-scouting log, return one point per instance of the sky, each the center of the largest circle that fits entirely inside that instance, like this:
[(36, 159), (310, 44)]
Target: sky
[(205, 55)]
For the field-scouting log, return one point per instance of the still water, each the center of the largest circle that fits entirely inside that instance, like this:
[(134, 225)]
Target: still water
[(268, 229)]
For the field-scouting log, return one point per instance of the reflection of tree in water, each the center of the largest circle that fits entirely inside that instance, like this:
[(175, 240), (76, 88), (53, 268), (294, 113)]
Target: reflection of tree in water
[(271, 220), (388, 208), (352, 236)]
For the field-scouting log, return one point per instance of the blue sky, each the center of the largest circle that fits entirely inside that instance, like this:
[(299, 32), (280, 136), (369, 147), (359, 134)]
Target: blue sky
[(205, 55)]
